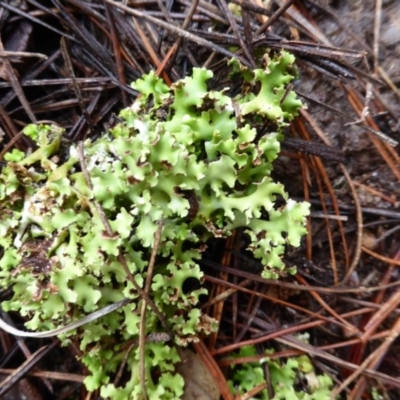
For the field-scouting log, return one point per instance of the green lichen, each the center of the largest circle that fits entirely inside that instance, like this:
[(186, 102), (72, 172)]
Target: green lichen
[(294, 379), (183, 155)]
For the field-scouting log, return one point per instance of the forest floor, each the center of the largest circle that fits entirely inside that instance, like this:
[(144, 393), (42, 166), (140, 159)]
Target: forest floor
[(72, 64)]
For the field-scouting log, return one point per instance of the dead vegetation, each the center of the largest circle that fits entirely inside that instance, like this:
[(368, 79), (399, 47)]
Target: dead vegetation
[(71, 62)]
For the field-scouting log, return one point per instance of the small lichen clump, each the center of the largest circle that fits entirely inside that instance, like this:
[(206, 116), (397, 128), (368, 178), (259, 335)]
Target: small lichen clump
[(294, 379), (194, 158)]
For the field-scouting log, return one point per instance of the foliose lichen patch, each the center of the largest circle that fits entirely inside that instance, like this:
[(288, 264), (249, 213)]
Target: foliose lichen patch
[(195, 158)]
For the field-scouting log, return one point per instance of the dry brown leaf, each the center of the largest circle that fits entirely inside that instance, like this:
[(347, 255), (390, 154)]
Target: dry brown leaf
[(199, 384)]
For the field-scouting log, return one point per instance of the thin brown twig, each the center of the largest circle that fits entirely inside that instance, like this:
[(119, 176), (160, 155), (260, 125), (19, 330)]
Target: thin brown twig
[(360, 386), (383, 348), (223, 5), (16, 85), (290, 353), (78, 93), (281, 10), (359, 215), (380, 257), (316, 315), (321, 177), (150, 51), (329, 309), (117, 52), (178, 31), (142, 326), (359, 219), (296, 287), (173, 51), (20, 372), (10, 144), (49, 375)]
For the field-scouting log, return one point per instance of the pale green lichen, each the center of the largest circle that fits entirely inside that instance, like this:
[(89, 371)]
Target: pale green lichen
[(294, 379), (182, 155)]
